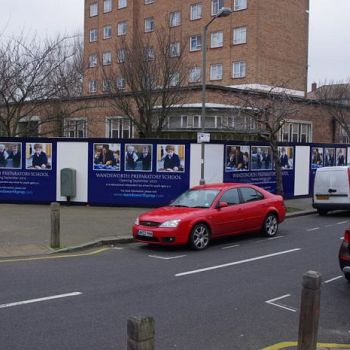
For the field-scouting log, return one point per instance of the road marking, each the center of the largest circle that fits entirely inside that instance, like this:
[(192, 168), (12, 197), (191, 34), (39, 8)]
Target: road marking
[(48, 257), (342, 222), (313, 229), (278, 237), (285, 345), (231, 246), (268, 239), (282, 306), (30, 301), (236, 262), (117, 248), (333, 279), (166, 258)]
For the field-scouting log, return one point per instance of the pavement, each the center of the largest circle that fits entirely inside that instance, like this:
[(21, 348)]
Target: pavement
[(25, 228)]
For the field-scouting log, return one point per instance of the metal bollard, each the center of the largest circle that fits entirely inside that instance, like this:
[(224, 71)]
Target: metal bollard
[(309, 311), (55, 225), (140, 333)]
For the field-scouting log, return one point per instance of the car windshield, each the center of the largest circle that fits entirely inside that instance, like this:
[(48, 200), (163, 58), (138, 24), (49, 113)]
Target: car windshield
[(196, 199)]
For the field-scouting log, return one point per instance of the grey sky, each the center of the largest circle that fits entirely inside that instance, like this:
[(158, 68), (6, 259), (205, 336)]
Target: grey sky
[(329, 44)]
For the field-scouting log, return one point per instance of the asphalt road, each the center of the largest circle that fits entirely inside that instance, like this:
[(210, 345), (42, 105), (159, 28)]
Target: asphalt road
[(241, 293)]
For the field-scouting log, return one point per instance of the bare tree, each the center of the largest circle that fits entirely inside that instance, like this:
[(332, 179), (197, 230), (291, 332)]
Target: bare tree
[(31, 75), (270, 111), (335, 98), (149, 79)]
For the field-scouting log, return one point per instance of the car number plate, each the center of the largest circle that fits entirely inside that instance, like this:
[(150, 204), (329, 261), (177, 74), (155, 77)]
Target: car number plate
[(145, 233), (322, 196)]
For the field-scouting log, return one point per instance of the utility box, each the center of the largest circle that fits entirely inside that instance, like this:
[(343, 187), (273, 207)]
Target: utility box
[(68, 183)]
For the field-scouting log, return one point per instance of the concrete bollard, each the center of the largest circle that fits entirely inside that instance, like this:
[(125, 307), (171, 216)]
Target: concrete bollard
[(309, 311), (140, 333), (55, 225)]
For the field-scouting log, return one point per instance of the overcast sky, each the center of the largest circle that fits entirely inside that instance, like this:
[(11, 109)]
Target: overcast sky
[(329, 43)]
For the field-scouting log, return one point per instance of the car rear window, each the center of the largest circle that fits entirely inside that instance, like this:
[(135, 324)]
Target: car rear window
[(249, 194)]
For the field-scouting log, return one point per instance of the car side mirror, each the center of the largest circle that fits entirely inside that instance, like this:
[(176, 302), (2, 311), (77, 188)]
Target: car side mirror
[(222, 205)]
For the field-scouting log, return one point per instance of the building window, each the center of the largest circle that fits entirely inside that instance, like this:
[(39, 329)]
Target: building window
[(28, 127), (195, 42), (106, 85), (239, 35), (120, 83), (93, 35), (239, 5), (175, 19), (119, 127), (239, 69), (195, 75), (175, 49), (75, 128), (148, 53), (122, 27), (107, 32), (216, 39), (92, 86), (107, 6), (196, 11), (149, 24), (184, 122), (174, 79), (122, 4), (215, 71), (121, 55), (106, 58), (213, 122), (149, 2), (94, 9), (92, 60), (294, 131), (216, 6)]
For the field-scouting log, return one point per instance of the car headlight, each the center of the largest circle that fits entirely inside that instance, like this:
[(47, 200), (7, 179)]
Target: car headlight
[(170, 223), (137, 221)]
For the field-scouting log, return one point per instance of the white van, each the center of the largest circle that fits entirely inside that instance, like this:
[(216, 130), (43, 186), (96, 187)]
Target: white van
[(332, 189)]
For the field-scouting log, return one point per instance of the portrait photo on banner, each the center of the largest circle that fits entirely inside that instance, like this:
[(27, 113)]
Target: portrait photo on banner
[(341, 158), (237, 158), (11, 155), (39, 156), (316, 157), (329, 156), (106, 156), (285, 153), (261, 158), (171, 158), (138, 157)]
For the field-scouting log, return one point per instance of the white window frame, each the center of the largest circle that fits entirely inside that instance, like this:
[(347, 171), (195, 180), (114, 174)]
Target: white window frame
[(195, 75), (149, 24), (121, 55), (122, 4), (92, 60), (242, 69), (216, 6), (175, 19), (106, 85), (107, 32), (216, 71), (196, 12), (107, 6), (122, 28), (120, 83), (175, 49), (239, 35), (295, 127), (94, 9), (195, 42), (118, 127), (239, 5), (147, 2), (217, 39), (93, 35), (92, 86), (107, 58), (74, 126), (149, 53), (174, 79)]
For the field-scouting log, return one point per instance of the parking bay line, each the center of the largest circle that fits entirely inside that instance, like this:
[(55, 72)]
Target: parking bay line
[(30, 301), (342, 222), (273, 302), (231, 246), (166, 258), (236, 262), (333, 279)]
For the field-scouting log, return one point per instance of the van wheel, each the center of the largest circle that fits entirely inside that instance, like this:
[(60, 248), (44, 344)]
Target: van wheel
[(322, 212)]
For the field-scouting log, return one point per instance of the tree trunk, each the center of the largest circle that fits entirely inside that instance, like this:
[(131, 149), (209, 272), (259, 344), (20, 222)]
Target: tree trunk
[(278, 169)]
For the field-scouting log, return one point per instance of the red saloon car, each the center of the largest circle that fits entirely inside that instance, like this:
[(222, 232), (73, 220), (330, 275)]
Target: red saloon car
[(210, 211), (344, 255)]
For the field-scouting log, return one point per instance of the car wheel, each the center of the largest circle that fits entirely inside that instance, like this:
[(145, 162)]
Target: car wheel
[(199, 237), (270, 226), (347, 276), (322, 212)]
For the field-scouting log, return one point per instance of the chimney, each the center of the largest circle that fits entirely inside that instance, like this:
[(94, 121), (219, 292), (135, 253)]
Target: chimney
[(313, 87)]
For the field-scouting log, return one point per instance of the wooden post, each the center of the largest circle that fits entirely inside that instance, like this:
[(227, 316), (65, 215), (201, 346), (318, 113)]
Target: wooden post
[(140, 333), (309, 311), (55, 225)]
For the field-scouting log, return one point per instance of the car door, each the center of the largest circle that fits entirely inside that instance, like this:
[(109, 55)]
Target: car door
[(227, 220), (253, 209)]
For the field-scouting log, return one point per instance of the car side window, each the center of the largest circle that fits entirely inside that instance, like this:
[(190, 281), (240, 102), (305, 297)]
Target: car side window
[(249, 194), (231, 197)]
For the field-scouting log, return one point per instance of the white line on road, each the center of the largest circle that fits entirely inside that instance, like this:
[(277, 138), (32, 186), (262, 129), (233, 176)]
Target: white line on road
[(231, 246), (272, 302), (236, 263), (166, 258), (30, 301), (333, 279), (313, 229), (278, 237), (342, 222)]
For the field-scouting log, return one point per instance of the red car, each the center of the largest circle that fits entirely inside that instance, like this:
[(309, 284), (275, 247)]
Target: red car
[(210, 211), (344, 255)]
